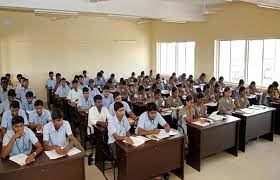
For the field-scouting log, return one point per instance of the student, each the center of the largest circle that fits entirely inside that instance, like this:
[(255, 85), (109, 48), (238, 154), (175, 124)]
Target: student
[(159, 83), (267, 96), (4, 91), (174, 100), (140, 96), (134, 87), (186, 116), (201, 79), (107, 97), (226, 105), (146, 82), (181, 90), (28, 104), (85, 77), (118, 128), (18, 83), (190, 89), (158, 100), (217, 92), (118, 98), (151, 91), (123, 90), (221, 82), (11, 97), (9, 81), (141, 77), (50, 84), (19, 140), (74, 94), (58, 80), (98, 114), (149, 121), (212, 83), (6, 123), (57, 134), (190, 78), (200, 107), (21, 94), (39, 116), (131, 78), (103, 77), (85, 101), (93, 91), (81, 83), (62, 91), (113, 80), (183, 78), (151, 77), (208, 95), (99, 81), (252, 88), (241, 100), (174, 77), (275, 92), (171, 83)]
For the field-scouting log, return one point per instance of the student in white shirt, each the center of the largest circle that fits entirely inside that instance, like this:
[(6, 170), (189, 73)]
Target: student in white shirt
[(98, 114), (74, 94)]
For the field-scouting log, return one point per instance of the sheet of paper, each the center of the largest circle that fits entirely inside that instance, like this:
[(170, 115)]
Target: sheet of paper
[(173, 132), (19, 159), (200, 123), (247, 111), (215, 117), (162, 134), (212, 104), (143, 138), (73, 151), (53, 155), (137, 141)]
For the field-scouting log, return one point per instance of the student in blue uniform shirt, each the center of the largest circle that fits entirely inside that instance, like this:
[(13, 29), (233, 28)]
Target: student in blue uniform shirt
[(19, 140), (118, 98), (6, 123), (57, 134), (99, 81), (63, 90), (50, 84), (118, 128), (149, 121), (39, 116), (4, 91), (81, 83), (85, 77), (21, 94), (85, 101), (28, 104), (93, 91), (107, 97), (11, 97)]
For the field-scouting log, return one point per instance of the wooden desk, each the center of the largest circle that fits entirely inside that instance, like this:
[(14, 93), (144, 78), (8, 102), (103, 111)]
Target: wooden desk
[(101, 136), (151, 159), (205, 141), (70, 168), (83, 123), (258, 124), (277, 117)]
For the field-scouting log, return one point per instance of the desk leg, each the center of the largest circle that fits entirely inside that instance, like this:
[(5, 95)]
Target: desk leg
[(269, 136), (83, 132), (193, 157), (179, 172), (242, 135), (99, 156), (234, 149)]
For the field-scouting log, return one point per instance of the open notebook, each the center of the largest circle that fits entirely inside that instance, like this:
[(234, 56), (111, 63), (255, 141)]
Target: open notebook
[(203, 122), (162, 134), (19, 159), (53, 155), (138, 140)]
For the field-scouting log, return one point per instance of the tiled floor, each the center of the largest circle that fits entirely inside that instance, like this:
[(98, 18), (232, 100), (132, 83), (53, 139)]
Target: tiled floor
[(260, 162)]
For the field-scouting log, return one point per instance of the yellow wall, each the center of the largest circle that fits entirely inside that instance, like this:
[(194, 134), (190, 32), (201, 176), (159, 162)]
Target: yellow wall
[(34, 45), (237, 21)]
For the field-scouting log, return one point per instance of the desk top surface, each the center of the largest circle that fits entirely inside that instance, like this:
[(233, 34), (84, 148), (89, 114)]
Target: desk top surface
[(255, 112), (8, 167)]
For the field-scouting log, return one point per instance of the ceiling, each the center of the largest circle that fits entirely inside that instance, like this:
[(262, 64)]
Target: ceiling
[(174, 10)]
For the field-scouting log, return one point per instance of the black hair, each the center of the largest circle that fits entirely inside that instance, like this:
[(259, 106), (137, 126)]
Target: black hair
[(14, 104), (19, 75), (241, 89), (99, 74), (17, 120), (118, 105), (221, 78), (189, 98), (275, 84), (74, 81), (29, 94), (38, 103), (123, 83), (200, 95), (157, 91), (57, 74), (8, 74), (206, 86), (97, 97), (191, 81), (25, 79), (213, 79), (253, 82), (116, 94), (85, 89), (12, 93), (226, 89), (91, 81), (151, 107), (158, 77), (141, 88), (50, 72), (106, 87), (174, 89), (241, 81), (142, 72), (63, 79), (112, 75), (202, 74), (57, 114), (84, 71)]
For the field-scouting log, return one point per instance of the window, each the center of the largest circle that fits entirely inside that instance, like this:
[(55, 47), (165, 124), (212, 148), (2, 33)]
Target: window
[(175, 57), (251, 60)]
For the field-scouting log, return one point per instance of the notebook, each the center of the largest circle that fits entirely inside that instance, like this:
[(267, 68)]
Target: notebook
[(19, 159), (53, 155)]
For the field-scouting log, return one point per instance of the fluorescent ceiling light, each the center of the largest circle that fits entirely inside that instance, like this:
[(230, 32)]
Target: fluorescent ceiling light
[(268, 5), (52, 12), (123, 16), (174, 21)]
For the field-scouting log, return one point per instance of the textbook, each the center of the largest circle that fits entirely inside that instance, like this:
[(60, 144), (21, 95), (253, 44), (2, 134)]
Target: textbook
[(19, 159), (53, 155), (162, 134)]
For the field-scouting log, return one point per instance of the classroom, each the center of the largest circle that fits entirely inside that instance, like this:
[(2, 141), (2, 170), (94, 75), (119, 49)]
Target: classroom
[(139, 89)]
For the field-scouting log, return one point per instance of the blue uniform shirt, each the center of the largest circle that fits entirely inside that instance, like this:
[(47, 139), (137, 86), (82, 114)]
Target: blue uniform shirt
[(119, 127), (43, 119), (147, 124), (7, 119)]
